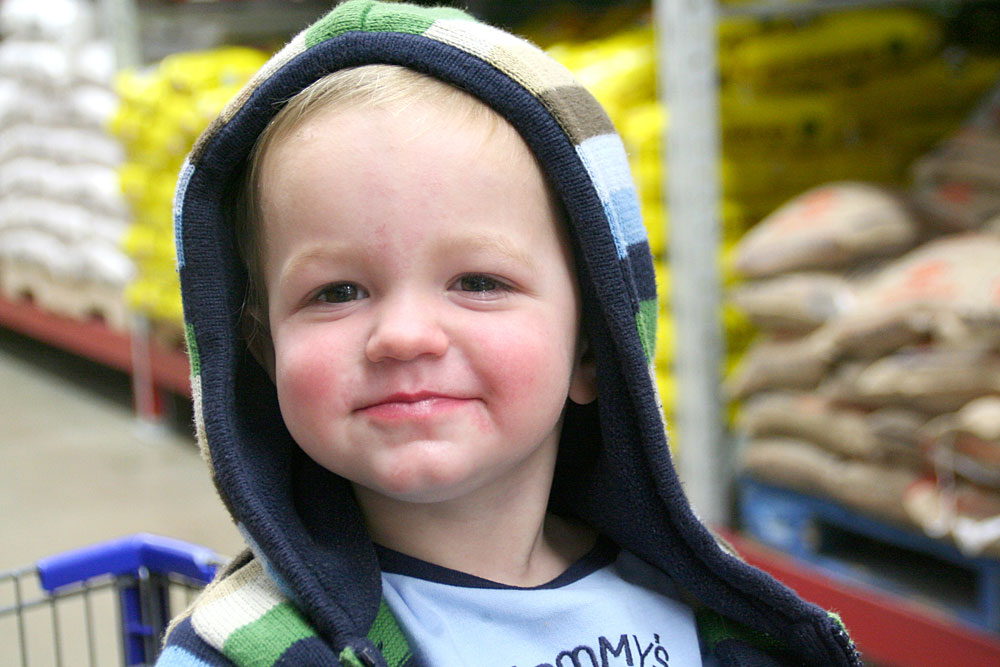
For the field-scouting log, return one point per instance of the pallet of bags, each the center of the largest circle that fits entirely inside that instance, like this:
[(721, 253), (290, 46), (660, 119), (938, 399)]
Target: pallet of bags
[(804, 266), (808, 443), (62, 214), (849, 416), (808, 265)]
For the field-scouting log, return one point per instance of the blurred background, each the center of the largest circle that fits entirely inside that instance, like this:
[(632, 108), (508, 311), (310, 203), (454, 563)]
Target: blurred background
[(821, 184)]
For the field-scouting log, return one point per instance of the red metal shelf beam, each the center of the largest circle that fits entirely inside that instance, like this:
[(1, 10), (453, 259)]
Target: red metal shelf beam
[(93, 340), (889, 630)]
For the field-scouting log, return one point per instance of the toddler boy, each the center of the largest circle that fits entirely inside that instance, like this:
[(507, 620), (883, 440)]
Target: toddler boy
[(421, 311)]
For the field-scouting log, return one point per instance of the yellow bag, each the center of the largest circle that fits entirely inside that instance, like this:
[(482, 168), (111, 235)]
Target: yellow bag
[(836, 48)]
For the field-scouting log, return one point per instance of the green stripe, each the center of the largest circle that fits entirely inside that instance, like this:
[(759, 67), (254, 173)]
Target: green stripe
[(645, 322), (389, 638), (192, 349), (714, 628), (348, 658), (262, 642), (370, 16)]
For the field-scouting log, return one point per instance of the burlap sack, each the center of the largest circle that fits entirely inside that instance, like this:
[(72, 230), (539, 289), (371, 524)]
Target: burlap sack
[(967, 515), (898, 433), (947, 291), (957, 185), (872, 488), (931, 380), (981, 418), (840, 386), (789, 463), (812, 418), (774, 364), (829, 227), (795, 303), (956, 205), (966, 444), (888, 435)]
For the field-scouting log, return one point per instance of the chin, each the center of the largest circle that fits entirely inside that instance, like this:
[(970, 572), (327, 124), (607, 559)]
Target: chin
[(424, 486)]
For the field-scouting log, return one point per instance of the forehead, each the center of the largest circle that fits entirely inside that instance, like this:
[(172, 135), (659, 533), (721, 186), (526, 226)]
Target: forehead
[(415, 160), (391, 88), (453, 118), (406, 139)]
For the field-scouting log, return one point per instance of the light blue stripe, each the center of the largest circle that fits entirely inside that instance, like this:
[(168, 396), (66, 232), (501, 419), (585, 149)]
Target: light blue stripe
[(625, 209), (175, 656), (605, 160), (258, 553), (182, 183)]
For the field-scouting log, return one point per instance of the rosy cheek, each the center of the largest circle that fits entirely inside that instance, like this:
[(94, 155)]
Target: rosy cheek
[(306, 373), (526, 362)]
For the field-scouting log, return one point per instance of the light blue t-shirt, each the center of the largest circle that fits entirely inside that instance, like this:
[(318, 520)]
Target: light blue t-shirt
[(610, 609)]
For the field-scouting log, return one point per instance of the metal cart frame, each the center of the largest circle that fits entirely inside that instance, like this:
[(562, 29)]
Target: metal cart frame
[(141, 569)]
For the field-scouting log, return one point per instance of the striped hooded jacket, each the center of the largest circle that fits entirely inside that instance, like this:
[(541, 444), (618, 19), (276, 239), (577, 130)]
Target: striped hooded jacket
[(308, 590)]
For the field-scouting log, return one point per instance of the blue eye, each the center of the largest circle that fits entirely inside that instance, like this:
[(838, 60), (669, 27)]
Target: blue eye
[(479, 283), (341, 293)]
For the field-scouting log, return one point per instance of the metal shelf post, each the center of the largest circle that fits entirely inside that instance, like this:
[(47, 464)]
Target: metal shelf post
[(119, 20), (687, 60)]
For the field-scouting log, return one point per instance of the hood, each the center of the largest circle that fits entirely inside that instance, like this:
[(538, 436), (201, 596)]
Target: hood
[(614, 470)]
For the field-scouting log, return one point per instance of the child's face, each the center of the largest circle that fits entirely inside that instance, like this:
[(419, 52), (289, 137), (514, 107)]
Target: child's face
[(422, 303)]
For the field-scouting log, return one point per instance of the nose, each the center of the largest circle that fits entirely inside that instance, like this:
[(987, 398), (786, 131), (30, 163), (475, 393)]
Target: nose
[(406, 328)]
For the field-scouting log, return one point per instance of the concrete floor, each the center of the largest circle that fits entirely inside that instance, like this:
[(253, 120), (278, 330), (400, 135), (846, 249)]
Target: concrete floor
[(76, 467)]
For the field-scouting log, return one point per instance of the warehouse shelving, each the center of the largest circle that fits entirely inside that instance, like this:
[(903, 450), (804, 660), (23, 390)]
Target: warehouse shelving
[(154, 367), (888, 629), (687, 47), (143, 31)]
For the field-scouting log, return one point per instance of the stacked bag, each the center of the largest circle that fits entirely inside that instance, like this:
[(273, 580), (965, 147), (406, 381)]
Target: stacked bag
[(163, 110), (61, 210), (876, 381)]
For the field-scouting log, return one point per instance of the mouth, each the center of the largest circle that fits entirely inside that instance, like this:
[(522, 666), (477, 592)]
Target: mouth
[(406, 406)]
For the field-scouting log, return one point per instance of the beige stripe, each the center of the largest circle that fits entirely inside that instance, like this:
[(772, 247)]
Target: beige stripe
[(531, 67), (573, 107), (277, 61), (522, 61), (475, 38), (233, 602), (199, 421)]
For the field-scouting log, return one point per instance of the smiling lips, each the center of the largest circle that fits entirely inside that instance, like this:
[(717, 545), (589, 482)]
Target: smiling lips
[(403, 407)]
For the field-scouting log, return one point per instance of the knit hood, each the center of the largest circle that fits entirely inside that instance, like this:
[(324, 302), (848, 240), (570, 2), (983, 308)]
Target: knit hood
[(614, 470)]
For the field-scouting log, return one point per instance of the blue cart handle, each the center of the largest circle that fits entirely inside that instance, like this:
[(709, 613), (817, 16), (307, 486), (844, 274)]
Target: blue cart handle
[(127, 555)]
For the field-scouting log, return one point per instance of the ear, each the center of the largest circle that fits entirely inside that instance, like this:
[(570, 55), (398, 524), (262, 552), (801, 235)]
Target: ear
[(263, 351), (258, 340), (583, 382)]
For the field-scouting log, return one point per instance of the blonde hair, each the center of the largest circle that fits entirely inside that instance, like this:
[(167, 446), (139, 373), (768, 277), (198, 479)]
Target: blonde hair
[(385, 87)]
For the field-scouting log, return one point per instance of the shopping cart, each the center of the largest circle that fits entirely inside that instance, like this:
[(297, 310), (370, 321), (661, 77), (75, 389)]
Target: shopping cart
[(72, 608)]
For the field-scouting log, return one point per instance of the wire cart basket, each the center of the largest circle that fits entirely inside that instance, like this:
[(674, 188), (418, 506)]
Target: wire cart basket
[(82, 607)]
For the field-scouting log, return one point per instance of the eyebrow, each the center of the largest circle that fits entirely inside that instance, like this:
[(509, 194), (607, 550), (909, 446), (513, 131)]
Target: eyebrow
[(464, 243), (317, 254), (451, 244)]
